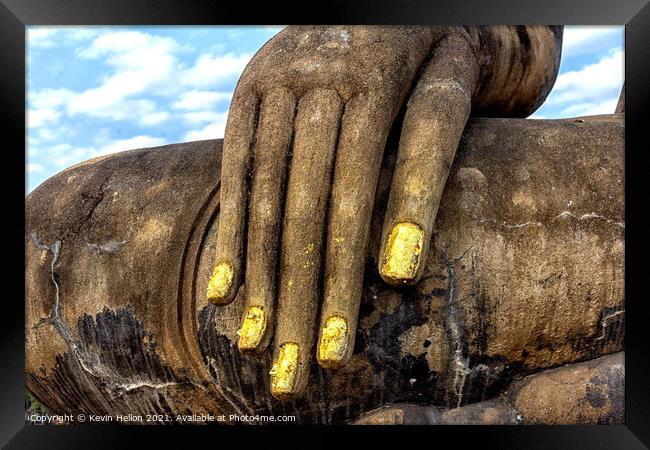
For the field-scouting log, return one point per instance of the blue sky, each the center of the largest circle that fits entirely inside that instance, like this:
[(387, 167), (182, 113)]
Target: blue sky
[(92, 91)]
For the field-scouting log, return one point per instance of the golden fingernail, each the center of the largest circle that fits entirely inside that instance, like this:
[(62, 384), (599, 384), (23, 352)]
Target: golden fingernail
[(252, 329), (220, 282), (333, 342), (283, 372), (402, 255)]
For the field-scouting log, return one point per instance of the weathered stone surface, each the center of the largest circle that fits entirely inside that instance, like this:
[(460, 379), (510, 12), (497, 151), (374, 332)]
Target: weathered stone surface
[(489, 412), (525, 273), (591, 392)]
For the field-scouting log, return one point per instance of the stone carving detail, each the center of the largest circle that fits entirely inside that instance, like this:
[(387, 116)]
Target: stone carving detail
[(514, 307)]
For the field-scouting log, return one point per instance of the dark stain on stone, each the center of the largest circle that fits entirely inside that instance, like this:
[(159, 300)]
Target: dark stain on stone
[(118, 342), (377, 374), (558, 31), (384, 353), (610, 331), (550, 280), (596, 396), (608, 337), (616, 394), (360, 341), (489, 376), (417, 382), (244, 382), (439, 292), (384, 349), (522, 33), (482, 316), (366, 308), (112, 367)]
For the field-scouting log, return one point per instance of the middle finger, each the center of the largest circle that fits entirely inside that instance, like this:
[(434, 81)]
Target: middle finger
[(307, 197)]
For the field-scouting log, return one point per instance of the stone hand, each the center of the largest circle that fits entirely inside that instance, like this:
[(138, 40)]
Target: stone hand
[(302, 152)]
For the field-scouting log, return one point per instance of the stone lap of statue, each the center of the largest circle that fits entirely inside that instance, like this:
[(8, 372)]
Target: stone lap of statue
[(328, 97), (525, 273)]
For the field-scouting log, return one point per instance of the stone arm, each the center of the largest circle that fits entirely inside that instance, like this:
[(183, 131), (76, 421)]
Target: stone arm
[(526, 272)]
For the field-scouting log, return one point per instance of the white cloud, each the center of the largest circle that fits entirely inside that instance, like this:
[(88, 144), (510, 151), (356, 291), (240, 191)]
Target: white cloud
[(144, 67), (48, 98), (52, 133), (45, 106), (200, 100), (120, 145), (274, 29), (154, 118), (201, 117), (235, 33), (76, 35), (140, 62), (41, 37), (100, 106), (47, 37), (590, 108), (213, 71), (42, 116), (590, 81), (61, 147), (64, 155), (579, 40), (35, 168), (593, 89), (129, 48), (212, 131), (149, 80), (143, 61)]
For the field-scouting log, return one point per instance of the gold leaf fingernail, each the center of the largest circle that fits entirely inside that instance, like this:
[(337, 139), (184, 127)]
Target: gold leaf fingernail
[(252, 329), (220, 282), (333, 342), (402, 256), (284, 370)]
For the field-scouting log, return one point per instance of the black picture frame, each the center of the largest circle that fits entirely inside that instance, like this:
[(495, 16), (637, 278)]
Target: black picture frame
[(15, 15)]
